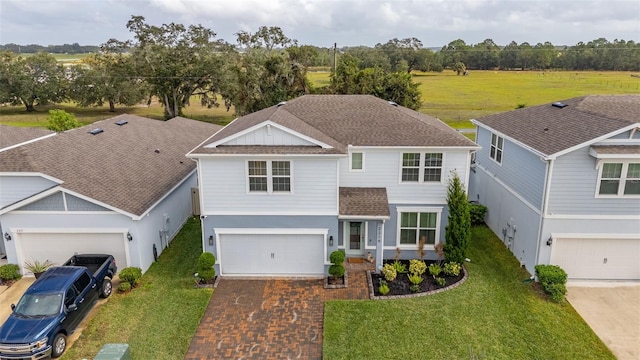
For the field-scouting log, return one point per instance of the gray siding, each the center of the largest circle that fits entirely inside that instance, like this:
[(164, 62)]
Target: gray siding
[(314, 188), (507, 213), (262, 136), (53, 202), (17, 188), (521, 170), (627, 135), (77, 204), (573, 189)]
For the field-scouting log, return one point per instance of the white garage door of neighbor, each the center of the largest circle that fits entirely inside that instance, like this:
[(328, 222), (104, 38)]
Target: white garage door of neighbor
[(606, 259), (59, 247), (272, 254)]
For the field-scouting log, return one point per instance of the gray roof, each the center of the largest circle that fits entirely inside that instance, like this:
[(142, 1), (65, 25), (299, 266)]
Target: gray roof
[(342, 120), (13, 135), (129, 167), (363, 202), (549, 129)]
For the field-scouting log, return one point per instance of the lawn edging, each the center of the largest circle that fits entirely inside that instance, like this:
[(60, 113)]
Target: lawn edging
[(372, 295)]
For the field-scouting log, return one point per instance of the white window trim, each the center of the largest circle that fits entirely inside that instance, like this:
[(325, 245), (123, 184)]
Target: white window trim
[(623, 178), (496, 147), (269, 178), (400, 210), (421, 168), (351, 169)]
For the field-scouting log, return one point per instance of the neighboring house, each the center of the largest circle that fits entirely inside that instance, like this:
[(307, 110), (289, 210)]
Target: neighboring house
[(124, 189), (562, 184), (282, 188)]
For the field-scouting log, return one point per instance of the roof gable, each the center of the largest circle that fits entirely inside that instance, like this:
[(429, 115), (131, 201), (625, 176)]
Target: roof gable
[(128, 167), (267, 133), (552, 131), (342, 120)]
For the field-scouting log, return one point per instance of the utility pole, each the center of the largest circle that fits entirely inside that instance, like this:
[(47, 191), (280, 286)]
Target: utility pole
[(335, 57)]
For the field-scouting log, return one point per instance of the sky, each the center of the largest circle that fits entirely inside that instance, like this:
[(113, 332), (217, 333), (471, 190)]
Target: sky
[(323, 22)]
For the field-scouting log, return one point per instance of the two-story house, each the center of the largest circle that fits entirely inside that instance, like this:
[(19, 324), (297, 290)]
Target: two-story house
[(562, 184), (282, 188)]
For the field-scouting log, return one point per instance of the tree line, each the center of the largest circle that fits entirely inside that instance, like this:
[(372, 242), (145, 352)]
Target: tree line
[(176, 64), (74, 48)]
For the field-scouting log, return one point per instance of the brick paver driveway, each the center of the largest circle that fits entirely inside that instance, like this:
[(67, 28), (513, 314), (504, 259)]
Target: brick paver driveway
[(269, 319)]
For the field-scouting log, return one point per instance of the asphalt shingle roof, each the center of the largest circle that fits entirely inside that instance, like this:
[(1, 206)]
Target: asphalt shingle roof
[(617, 149), (550, 129), (129, 167), (342, 120), (13, 135), (356, 201)]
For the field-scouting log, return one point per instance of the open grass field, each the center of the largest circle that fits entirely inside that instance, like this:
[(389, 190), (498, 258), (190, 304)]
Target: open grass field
[(494, 315), (454, 99)]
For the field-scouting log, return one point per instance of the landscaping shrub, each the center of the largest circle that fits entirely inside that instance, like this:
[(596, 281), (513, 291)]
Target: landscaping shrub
[(440, 281), (124, 287), (9, 272), (452, 269), (401, 268), (389, 271), (417, 267), (435, 270), (415, 280), (336, 269), (206, 272), (383, 288), (477, 212), (458, 231), (131, 275), (553, 279)]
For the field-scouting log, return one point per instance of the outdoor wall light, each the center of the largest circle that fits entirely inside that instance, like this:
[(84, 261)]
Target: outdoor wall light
[(210, 240), (549, 241), (129, 237), (331, 240), (7, 236)]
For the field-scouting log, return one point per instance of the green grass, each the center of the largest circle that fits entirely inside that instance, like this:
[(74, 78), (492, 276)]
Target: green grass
[(159, 318), (494, 315)]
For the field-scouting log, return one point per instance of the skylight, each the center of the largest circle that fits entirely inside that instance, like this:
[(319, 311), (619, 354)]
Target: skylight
[(96, 131), (121, 122), (559, 104)]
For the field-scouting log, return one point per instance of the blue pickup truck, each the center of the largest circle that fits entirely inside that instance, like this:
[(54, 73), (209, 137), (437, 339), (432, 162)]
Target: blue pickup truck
[(53, 306)]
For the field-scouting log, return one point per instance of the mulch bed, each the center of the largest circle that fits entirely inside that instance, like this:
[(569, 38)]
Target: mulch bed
[(401, 285)]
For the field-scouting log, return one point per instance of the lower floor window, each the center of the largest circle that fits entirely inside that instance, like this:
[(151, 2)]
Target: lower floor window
[(415, 226)]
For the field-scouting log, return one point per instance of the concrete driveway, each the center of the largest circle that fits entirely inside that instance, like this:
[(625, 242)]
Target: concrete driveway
[(11, 295), (612, 310)]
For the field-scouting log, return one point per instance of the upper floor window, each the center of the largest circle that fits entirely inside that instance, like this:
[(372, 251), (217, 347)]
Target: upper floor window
[(430, 171), (619, 179), (496, 148), (269, 176), (357, 161)]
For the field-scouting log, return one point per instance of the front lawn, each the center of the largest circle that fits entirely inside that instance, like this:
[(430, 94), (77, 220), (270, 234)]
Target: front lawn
[(159, 318), (494, 315)]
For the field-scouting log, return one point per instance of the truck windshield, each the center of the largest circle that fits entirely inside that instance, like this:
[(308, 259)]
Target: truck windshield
[(35, 305)]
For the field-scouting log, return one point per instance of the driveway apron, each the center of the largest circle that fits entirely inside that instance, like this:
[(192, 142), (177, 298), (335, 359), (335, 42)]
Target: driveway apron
[(269, 319)]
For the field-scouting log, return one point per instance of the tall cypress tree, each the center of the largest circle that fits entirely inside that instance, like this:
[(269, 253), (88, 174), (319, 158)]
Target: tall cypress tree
[(458, 231)]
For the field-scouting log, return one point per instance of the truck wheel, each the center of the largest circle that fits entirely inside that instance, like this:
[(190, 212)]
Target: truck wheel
[(59, 345), (107, 288)]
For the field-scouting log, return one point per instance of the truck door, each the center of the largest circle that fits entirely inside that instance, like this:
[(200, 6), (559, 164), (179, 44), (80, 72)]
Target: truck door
[(73, 317)]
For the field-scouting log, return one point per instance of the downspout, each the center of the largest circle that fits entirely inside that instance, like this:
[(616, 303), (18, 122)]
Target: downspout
[(202, 217), (545, 205)]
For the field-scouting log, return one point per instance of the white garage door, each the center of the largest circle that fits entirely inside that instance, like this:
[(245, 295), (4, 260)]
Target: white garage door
[(59, 247), (272, 254), (607, 259)]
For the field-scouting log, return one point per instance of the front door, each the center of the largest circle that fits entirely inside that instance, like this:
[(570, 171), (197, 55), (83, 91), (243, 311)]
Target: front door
[(355, 241)]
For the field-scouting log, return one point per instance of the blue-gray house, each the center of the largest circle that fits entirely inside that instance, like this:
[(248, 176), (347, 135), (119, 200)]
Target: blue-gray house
[(282, 188), (562, 184)]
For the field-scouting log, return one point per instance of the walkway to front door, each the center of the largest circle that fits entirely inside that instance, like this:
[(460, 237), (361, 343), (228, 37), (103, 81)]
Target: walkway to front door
[(270, 319)]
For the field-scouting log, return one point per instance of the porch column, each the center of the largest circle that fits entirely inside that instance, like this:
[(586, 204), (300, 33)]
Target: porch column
[(379, 246)]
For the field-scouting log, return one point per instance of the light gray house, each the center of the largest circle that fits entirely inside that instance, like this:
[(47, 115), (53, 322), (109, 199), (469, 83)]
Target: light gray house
[(282, 188), (120, 186), (562, 184)]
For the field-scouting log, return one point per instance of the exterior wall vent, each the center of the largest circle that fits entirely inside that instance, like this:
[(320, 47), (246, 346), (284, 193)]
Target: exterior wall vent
[(121, 122), (559, 105), (96, 131)]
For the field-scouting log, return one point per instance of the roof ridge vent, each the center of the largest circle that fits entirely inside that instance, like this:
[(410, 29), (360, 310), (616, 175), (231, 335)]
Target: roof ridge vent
[(392, 103), (121, 122), (559, 104), (281, 103), (96, 131)]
